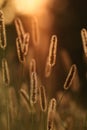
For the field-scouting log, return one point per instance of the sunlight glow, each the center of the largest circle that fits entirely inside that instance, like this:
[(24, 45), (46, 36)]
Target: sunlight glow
[(29, 6)]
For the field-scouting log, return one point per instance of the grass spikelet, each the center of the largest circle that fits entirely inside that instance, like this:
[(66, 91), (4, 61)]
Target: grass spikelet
[(5, 72), (3, 43), (42, 98), (19, 28), (84, 40), (51, 113), (32, 66), (76, 82), (26, 44), (26, 38), (52, 105), (21, 56), (52, 51), (33, 89), (48, 70), (70, 77), (35, 31)]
